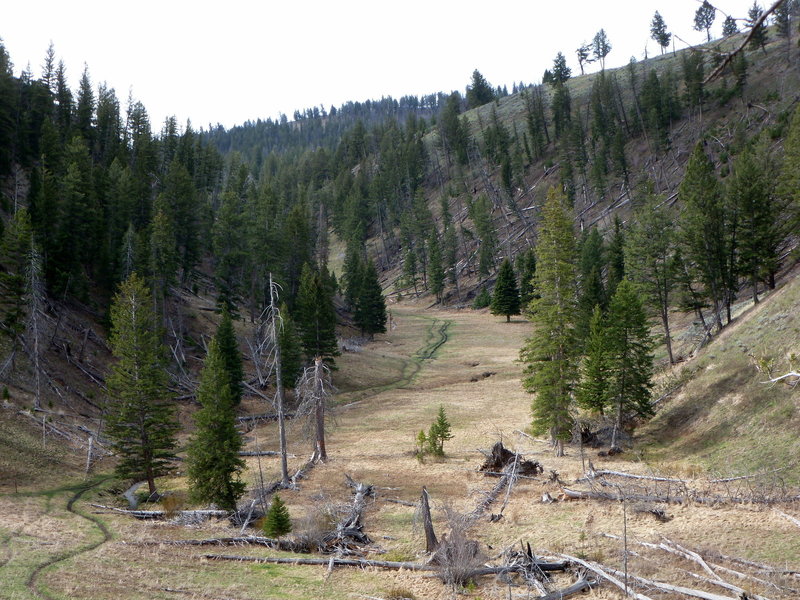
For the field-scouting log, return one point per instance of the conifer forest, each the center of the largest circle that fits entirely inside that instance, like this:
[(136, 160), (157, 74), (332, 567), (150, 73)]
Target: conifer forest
[(526, 340)]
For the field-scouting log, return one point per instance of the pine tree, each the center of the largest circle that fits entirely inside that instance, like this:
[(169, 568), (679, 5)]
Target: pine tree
[(601, 47), (436, 267), (505, 299), (370, 312), (650, 258), (231, 356), (760, 234), (729, 26), (277, 521), (593, 390), (659, 33), (316, 317), (758, 37), (704, 18), (439, 432), (561, 72), (14, 251), (550, 353), (630, 357), (526, 267), (616, 257), (703, 228), (291, 350), (141, 421), (479, 92), (592, 291), (213, 462)]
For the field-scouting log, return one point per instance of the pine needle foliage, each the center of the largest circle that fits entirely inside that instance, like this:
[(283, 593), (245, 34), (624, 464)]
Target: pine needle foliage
[(550, 353), (277, 521), (505, 299), (213, 459), (141, 422)]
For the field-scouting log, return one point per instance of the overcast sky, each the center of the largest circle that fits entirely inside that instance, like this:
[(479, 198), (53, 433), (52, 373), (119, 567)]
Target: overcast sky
[(228, 62)]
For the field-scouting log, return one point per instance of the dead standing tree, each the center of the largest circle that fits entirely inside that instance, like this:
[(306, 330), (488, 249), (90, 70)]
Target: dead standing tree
[(265, 350), (314, 391)]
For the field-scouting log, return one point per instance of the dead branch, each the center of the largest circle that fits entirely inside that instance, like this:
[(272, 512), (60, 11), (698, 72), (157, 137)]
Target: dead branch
[(592, 474), (604, 572), (731, 55), (160, 514), (264, 453), (275, 544), (431, 543), (581, 585), (790, 518)]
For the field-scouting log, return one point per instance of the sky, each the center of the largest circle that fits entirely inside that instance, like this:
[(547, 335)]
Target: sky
[(230, 62)]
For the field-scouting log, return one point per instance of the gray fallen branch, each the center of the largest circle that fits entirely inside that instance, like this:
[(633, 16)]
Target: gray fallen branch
[(283, 545), (604, 572), (160, 514), (264, 453), (581, 585), (592, 474)]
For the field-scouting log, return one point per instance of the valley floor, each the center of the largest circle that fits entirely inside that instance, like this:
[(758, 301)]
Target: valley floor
[(54, 544)]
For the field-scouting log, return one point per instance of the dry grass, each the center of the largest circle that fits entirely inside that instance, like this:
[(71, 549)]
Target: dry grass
[(373, 442)]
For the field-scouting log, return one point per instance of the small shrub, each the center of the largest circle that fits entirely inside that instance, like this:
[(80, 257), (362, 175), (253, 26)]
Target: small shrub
[(399, 593), (173, 503), (277, 521)]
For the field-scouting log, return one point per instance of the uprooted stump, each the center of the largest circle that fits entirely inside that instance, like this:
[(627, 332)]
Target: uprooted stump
[(500, 457)]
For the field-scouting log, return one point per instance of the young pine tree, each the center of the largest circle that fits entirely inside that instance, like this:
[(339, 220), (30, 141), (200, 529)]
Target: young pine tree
[(231, 356), (370, 310), (439, 433), (277, 521), (526, 267), (505, 300), (593, 391), (316, 316), (141, 421), (630, 357), (213, 459), (550, 353)]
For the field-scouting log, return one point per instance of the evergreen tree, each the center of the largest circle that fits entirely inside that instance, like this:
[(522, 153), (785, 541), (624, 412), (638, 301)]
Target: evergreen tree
[(729, 26), (630, 358), (410, 269), (561, 72), (439, 432), (435, 267), (14, 252), (601, 47), (592, 291), (291, 349), (593, 392), (760, 234), (616, 257), (479, 92), (482, 299), (213, 463), (659, 33), (788, 184), (704, 18), (352, 271), (277, 521), (758, 37), (583, 52), (526, 267), (370, 312), (505, 300), (550, 353), (316, 317), (650, 258), (231, 356), (703, 229), (141, 422)]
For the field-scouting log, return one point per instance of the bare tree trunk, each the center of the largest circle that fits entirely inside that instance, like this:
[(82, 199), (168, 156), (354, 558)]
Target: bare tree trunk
[(431, 543), (279, 383), (320, 453)]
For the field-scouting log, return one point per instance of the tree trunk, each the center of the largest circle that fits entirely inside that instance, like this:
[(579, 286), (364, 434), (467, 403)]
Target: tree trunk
[(320, 453), (279, 385), (431, 543)]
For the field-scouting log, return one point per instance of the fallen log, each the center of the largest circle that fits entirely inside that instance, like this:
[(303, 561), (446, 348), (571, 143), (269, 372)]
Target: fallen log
[(667, 499), (579, 586), (592, 474), (160, 514), (677, 589), (600, 571), (264, 453), (275, 544), (363, 562), (324, 562)]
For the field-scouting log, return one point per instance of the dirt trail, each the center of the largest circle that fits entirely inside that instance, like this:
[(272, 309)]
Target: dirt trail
[(33, 580)]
